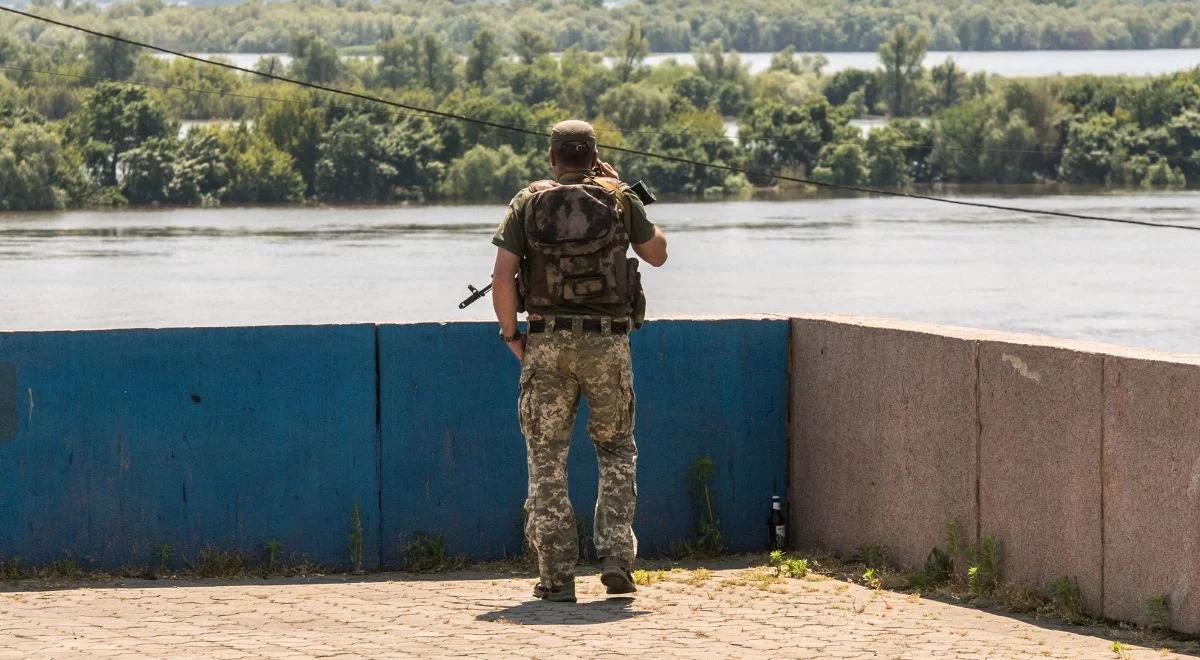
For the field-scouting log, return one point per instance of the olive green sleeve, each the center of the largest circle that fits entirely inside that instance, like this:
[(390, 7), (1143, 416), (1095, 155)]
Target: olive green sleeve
[(510, 235), (640, 227)]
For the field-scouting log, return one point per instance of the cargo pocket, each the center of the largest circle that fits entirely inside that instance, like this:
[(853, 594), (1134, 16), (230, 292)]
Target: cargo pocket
[(625, 428), (525, 404)]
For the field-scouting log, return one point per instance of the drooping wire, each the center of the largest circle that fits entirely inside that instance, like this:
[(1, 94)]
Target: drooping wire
[(627, 150)]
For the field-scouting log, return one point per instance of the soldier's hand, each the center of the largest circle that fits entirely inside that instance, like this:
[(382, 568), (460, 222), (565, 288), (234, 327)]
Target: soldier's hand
[(606, 169), (518, 348)]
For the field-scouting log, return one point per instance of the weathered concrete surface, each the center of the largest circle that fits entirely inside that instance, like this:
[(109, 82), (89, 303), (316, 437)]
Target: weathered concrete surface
[(1152, 489), (481, 615), (190, 437), (1089, 454), (883, 437), (1040, 412)]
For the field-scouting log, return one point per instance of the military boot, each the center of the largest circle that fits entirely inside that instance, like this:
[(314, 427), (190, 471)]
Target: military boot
[(615, 576), (563, 593)]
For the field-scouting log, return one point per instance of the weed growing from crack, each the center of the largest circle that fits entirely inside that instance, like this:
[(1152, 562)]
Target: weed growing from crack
[(1066, 601), (984, 574), (272, 557), (699, 577), (162, 553), (219, 563), (1158, 613), (873, 555), (872, 579), (426, 553), (63, 568), (787, 566), (642, 577), (706, 540), (10, 568)]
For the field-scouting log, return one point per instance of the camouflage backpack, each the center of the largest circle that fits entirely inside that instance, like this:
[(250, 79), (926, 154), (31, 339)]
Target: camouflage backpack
[(576, 245)]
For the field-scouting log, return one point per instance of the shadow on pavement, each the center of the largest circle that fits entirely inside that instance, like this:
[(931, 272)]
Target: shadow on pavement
[(540, 612)]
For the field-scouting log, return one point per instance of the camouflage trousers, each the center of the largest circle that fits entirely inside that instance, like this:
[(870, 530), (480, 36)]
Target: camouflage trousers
[(558, 367)]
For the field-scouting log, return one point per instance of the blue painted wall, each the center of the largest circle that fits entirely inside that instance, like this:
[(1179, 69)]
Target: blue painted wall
[(453, 459), (113, 442), (223, 437)]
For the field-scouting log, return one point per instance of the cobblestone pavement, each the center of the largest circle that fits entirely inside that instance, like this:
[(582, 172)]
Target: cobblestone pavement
[(688, 615)]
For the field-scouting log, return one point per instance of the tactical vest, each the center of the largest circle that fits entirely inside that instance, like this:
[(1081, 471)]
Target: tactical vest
[(575, 246)]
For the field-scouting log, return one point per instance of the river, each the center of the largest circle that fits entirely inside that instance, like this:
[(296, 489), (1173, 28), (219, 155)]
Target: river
[(896, 258), (1004, 63)]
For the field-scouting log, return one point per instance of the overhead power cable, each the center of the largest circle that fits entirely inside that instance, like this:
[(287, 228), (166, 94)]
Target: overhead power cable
[(636, 152)]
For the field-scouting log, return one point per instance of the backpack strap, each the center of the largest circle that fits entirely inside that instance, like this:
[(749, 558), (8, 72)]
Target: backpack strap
[(610, 184), (544, 184)]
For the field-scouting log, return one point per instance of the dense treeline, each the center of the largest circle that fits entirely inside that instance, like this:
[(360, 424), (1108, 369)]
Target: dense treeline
[(79, 138), (669, 25)]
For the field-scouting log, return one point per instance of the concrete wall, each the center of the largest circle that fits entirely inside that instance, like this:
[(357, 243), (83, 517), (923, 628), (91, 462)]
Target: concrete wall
[(114, 442), (1083, 460), (224, 437), (454, 459)]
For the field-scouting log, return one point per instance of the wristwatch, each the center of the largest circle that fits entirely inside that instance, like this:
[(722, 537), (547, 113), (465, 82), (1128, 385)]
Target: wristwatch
[(508, 339)]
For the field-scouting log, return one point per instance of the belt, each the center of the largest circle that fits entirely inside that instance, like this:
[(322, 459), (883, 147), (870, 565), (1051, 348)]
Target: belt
[(567, 323)]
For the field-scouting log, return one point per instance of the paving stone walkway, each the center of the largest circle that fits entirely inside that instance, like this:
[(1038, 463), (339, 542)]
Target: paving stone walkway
[(722, 613)]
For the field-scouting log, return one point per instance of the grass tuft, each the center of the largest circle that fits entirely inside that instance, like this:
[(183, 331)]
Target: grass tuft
[(426, 553)]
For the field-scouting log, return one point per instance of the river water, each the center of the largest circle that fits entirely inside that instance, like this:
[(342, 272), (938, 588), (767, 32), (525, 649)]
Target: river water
[(1004, 63), (905, 259)]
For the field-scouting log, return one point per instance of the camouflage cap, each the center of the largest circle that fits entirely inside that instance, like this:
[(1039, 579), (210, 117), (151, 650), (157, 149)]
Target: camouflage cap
[(572, 130)]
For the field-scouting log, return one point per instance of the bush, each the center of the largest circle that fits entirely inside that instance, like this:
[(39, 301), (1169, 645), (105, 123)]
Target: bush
[(484, 173), (36, 171)]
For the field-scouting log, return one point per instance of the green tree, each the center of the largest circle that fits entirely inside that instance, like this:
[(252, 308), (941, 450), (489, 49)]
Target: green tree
[(630, 52), (844, 163), (314, 59), (109, 59), (959, 134), (1184, 151), (537, 83), (147, 171), (36, 170), (633, 106), (1091, 148), (416, 152), (902, 55), (886, 158), (840, 86), (416, 60), (361, 161), (483, 55), (727, 74), (198, 173), (296, 128), (484, 173), (948, 83), (114, 119), (257, 171), (691, 136), (531, 44), (696, 90), (792, 136), (1009, 150)]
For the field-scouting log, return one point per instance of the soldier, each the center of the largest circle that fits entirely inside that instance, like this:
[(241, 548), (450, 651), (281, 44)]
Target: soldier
[(562, 252)]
